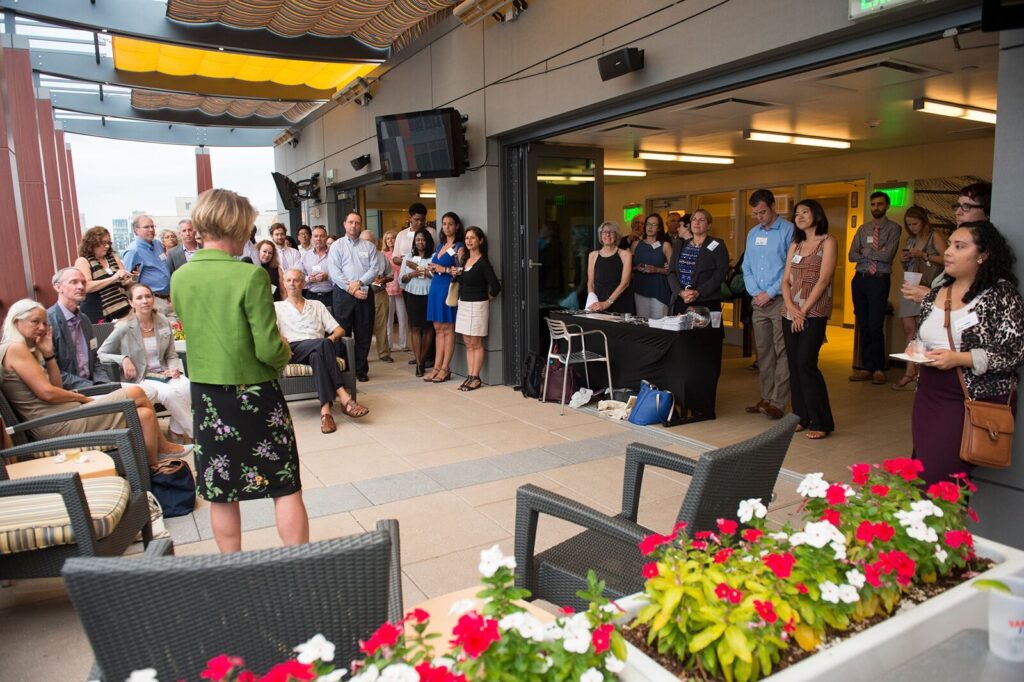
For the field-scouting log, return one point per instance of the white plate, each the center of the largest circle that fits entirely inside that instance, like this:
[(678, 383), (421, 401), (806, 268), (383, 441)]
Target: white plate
[(918, 359)]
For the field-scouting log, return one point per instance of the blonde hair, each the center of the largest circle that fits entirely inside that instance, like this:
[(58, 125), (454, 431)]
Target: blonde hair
[(18, 311), (707, 215), (606, 224), (384, 239), (222, 214)]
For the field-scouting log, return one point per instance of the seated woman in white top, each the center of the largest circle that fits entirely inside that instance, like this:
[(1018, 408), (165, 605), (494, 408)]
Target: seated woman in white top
[(143, 345), (303, 323)]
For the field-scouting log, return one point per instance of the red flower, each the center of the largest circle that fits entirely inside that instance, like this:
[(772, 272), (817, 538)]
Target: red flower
[(904, 467), (602, 637), (726, 526), (567, 610), (873, 574), (880, 490), (246, 676), (790, 626), (418, 615), (860, 473), (801, 588), (386, 635), (722, 555), (752, 534), (218, 667), (944, 490), (653, 542), (958, 538), (703, 535), (474, 633), (883, 531), (780, 564), (651, 570), (836, 494), (766, 610), (867, 532), (972, 515), (680, 526), (831, 515), (730, 594), (699, 545), (899, 563), (429, 673), (290, 671)]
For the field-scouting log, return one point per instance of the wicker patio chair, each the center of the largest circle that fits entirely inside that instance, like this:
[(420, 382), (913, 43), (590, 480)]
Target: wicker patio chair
[(296, 381), (174, 613), (100, 516), (720, 480)]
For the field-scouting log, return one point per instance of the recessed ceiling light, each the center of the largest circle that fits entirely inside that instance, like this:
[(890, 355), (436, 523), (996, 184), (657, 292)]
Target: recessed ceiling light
[(796, 138), (684, 158), (953, 110), (428, 195), (626, 173), (565, 178)]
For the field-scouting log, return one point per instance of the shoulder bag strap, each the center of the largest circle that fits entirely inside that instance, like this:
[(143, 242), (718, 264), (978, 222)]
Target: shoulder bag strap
[(952, 345)]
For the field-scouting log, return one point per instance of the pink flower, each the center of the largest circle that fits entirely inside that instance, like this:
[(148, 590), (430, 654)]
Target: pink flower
[(722, 555), (680, 526), (474, 633), (904, 467), (752, 534), (428, 673), (218, 667), (653, 542), (246, 676), (601, 638), (790, 626), (836, 494), (831, 515), (730, 594), (418, 615), (386, 636), (944, 490), (290, 671), (972, 515), (766, 610), (726, 526), (699, 545), (651, 570), (703, 535), (958, 538), (880, 490), (801, 588), (567, 610), (860, 473), (780, 564)]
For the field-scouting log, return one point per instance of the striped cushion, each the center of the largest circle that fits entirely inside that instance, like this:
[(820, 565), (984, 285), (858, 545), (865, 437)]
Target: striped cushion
[(306, 370), (36, 521), (53, 453)]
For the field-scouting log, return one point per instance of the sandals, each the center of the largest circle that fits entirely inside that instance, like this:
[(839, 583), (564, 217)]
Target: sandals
[(327, 424), (905, 384), (442, 376), (431, 375), (816, 435), (798, 428), (471, 383), (354, 409)]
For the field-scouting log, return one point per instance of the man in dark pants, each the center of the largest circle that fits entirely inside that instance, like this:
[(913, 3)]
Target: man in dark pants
[(872, 250), (352, 265)]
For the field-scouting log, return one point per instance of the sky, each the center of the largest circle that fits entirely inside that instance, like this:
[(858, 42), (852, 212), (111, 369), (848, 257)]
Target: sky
[(116, 177)]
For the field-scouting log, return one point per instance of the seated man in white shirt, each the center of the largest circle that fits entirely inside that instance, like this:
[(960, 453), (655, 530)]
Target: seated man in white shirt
[(303, 324)]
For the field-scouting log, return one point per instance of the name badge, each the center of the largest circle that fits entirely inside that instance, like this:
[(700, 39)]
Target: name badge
[(871, 239), (966, 322), (797, 258), (760, 241), (92, 341), (656, 245), (163, 256), (318, 268), (714, 245), (451, 251)]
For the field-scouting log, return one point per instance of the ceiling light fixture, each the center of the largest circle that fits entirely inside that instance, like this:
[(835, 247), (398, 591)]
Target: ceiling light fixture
[(357, 91), (428, 195), (626, 173), (684, 158), (471, 12), (796, 138), (953, 110), (565, 178)]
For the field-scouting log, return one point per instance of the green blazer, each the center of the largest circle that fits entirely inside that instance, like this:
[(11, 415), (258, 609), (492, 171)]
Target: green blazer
[(227, 312)]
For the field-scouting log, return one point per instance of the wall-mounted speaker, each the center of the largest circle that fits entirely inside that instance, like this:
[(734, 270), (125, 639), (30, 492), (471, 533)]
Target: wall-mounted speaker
[(620, 62)]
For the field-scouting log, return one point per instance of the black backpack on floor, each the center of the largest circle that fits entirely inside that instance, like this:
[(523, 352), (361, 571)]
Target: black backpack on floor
[(532, 376)]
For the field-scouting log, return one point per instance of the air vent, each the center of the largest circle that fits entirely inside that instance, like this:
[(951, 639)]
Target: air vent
[(875, 75), (733, 100), (631, 126)]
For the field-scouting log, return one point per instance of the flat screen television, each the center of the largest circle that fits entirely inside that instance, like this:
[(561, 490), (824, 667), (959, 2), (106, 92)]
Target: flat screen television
[(422, 144), (286, 189)]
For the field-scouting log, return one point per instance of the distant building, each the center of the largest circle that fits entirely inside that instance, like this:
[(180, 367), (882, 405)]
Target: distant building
[(121, 233)]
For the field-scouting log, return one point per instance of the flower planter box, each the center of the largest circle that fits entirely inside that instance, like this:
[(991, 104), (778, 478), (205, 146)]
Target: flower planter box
[(880, 648)]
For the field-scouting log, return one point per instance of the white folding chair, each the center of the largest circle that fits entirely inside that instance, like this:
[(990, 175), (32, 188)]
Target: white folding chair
[(560, 330)]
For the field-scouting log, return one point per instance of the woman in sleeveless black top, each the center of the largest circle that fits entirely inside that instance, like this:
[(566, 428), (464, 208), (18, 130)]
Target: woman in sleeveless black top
[(267, 254), (608, 273), (105, 277)]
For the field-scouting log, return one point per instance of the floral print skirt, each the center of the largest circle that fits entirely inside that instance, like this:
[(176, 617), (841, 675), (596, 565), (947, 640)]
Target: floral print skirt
[(244, 442)]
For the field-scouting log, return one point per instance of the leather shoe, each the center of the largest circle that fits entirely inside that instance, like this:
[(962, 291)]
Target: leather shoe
[(411, 362), (327, 424), (861, 375), (362, 377), (419, 370), (756, 408), (771, 411), (386, 359), (878, 378)]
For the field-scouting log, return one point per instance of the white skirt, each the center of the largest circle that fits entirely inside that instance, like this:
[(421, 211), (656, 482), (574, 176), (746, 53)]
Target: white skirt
[(472, 318)]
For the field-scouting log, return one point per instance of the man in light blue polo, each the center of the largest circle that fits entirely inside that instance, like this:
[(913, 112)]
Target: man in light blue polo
[(763, 264), (352, 264), (145, 258)]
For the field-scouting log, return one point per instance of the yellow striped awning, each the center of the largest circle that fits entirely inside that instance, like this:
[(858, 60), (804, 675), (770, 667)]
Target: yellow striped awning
[(152, 100)]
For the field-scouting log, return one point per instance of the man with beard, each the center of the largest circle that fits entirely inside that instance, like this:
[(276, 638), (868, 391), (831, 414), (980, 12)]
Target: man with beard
[(872, 250)]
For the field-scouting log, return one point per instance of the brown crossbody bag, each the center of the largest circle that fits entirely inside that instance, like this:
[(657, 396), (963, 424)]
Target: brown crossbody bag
[(987, 439)]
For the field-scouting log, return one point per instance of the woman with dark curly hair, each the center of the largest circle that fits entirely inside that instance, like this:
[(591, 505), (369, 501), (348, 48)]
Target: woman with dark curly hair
[(268, 260), (105, 277), (986, 316)]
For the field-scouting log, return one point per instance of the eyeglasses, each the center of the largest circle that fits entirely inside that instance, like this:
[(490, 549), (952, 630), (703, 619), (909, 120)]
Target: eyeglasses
[(106, 243), (965, 207)]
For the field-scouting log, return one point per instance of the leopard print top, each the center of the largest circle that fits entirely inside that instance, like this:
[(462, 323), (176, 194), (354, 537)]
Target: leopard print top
[(999, 332)]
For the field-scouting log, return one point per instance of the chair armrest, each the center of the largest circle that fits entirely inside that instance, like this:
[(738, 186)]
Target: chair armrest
[(69, 486), (159, 548), (99, 389), (395, 606), (113, 371), (638, 456), (349, 344), (532, 501)]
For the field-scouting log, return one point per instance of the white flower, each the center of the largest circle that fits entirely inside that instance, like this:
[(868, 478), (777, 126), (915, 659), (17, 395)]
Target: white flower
[(613, 608), (333, 676), (839, 549), (855, 578), (368, 674), (576, 634), (797, 539), (613, 664), (820, 533), (461, 607), (443, 662), (399, 672), (316, 649), (591, 675), (926, 508), (548, 662), (848, 594), (909, 518), (553, 632), (919, 531), (750, 508), (778, 536), (829, 592), (492, 559), (940, 554), (144, 675), (525, 624), (813, 485)]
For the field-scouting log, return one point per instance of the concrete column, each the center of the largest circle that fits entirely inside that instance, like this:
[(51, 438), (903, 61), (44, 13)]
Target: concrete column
[(1000, 497), (25, 132), (65, 190), (204, 171), (15, 276), (51, 174)]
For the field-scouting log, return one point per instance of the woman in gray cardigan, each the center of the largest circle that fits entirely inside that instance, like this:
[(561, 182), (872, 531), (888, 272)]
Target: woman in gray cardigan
[(143, 346)]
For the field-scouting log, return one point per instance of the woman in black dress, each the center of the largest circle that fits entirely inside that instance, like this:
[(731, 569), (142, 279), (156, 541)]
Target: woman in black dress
[(477, 286), (608, 273), (267, 253)]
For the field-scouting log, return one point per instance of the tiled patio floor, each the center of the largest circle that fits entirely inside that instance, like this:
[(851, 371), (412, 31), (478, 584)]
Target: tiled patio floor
[(447, 464)]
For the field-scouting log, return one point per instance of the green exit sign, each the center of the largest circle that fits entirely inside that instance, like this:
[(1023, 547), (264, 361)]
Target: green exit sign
[(862, 9)]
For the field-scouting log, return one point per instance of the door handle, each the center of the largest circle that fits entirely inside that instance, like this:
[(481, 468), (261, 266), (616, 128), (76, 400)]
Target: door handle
[(534, 264)]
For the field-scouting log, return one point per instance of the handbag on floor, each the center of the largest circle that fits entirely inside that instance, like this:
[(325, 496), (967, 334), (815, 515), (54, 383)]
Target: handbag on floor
[(174, 487), (652, 406), (987, 439), (556, 373)]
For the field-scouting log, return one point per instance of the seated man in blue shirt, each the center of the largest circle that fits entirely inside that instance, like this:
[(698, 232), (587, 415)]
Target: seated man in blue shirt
[(146, 259)]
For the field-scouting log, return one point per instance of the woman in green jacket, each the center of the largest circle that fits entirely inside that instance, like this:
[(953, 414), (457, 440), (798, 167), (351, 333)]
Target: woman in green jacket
[(245, 444)]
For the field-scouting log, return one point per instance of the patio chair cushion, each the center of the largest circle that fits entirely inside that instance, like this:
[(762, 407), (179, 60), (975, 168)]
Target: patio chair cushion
[(295, 370), (29, 522), (53, 453)]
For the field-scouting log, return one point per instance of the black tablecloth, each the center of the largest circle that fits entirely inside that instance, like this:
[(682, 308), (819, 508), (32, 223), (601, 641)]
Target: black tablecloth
[(687, 363)]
